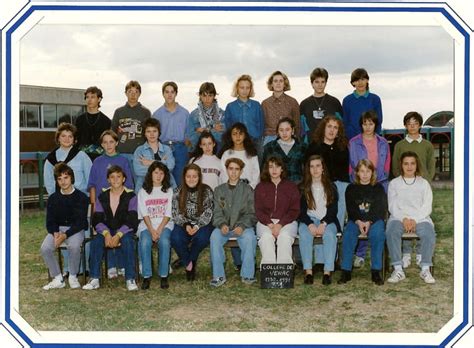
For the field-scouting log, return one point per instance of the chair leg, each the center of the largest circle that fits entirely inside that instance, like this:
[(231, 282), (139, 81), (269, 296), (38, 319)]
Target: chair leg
[(60, 260), (83, 258)]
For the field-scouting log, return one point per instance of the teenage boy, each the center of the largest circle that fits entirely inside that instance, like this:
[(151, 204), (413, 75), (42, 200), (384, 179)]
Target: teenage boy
[(91, 124), (173, 120), (358, 102), (233, 216), (424, 149), (127, 121), (278, 106), (66, 221), (320, 104), (115, 220)]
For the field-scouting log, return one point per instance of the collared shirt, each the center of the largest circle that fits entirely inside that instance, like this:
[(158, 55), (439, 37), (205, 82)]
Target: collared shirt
[(275, 109), (410, 139), (357, 95), (249, 113), (173, 124)]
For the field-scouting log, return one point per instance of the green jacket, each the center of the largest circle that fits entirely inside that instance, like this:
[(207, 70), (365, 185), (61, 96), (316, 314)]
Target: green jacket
[(234, 207)]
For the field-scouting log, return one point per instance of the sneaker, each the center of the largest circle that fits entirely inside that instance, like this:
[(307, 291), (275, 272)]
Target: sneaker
[(216, 282), (73, 282), (358, 262), (427, 277), (92, 285), (121, 272), (54, 284), (406, 260), (112, 273), (418, 260), (131, 285), (397, 276), (248, 281)]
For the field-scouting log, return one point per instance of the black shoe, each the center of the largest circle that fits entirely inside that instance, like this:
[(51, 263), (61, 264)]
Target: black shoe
[(318, 267), (308, 279), (191, 275), (164, 283), (376, 278), (80, 274), (237, 268), (346, 276), (66, 275), (176, 264), (146, 283), (327, 279)]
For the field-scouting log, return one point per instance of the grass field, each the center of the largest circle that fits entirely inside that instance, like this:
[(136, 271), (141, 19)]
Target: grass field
[(358, 306)]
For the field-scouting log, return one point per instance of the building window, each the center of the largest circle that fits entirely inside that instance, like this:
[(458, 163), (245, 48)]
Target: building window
[(50, 118), (29, 115)]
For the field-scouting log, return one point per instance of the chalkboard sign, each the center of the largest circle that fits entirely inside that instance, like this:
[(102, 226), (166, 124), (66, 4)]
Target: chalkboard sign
[(277, 276)]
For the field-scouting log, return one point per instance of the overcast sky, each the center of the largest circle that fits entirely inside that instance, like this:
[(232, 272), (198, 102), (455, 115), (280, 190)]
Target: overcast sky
[(410, 68)]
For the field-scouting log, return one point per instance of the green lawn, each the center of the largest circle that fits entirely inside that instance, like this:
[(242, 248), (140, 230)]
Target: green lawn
[(358, 306)]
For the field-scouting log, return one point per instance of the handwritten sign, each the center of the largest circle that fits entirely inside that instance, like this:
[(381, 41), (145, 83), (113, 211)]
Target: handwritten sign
[(277, 276)]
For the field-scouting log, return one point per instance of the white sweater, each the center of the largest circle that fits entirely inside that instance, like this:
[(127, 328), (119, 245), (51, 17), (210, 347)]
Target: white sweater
[(410, 201), (212, 170), (251, 170), (156, 206)]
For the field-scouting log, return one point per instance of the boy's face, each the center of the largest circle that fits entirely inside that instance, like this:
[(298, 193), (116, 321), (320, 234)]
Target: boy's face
[(233, 172), (207, 99), (319, 84), (116, 180), (152, 134), (413, 127), (132, 95), (361, 85), (169, 94), (278, 83), (66, 139), (64, 182), (92, 100), (109, 144)]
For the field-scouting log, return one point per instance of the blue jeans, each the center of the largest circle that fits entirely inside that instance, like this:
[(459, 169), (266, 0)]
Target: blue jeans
[(350, 238), (97, 252), (180, 154), (248, 245), (180, 240), (328, 248), (341, 202), (164, 249)]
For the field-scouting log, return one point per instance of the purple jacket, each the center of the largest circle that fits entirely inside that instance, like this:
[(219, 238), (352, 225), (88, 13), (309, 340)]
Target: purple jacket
[(358, 151)]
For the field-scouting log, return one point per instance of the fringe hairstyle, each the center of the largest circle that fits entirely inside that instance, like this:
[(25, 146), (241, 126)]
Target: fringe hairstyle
[(183, 195), (265, 175), (148, 182), (198, 152), (368, 164)]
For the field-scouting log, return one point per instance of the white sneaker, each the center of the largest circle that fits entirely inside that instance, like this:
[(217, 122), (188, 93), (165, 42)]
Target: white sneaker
[(121, 272), (358, 262), (406, 260), (397, 276), (418, 259), (54, 284), (92, 285), (73, 282), (112, 273), (131, 285), (427, 277), (170, 271)]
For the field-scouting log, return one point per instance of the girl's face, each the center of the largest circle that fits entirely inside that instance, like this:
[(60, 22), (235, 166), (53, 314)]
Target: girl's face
[(207, 146), (109, 144), (116, 180), (64, 182), (243, 89), (237, 136), (66, 139), (207, 99), (361, 85), (285, 131), (409, 167), (157, 177), (275, 170), (152, 134), (368, 127), (331, 130), (364, 174), (191, 178), (316, 169), (278, 83)]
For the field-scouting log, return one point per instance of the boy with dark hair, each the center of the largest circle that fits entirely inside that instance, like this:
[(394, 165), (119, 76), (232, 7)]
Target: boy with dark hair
[(66, 221), (115, 220), (358, 102), (320, 103), (91, 124)]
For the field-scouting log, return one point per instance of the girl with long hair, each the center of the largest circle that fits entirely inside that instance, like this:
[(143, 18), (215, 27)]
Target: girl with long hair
[(204, 156)]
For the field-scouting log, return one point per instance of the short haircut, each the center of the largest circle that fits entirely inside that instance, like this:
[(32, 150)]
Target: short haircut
[(93, 90), (109, 132), (366, 163), (417, 159), (62, 168), (236, 84), (151, 123), (235, 160), (116, 169), (169, 83), (319, 72), (286, 87), (133, 84), (265, 176), (207, 88), (370, 115), (359, 73), (410, 115), (65, 127)]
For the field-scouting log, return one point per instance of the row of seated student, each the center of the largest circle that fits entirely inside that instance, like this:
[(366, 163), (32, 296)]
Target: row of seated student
[(193, 216)]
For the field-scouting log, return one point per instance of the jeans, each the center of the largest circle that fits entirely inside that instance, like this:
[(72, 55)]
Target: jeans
[(328, 249), (127, 245), (180, 154), (424, 230), (180, 240), (248, 245), (341, 202), (164, 249), (350, 238)]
